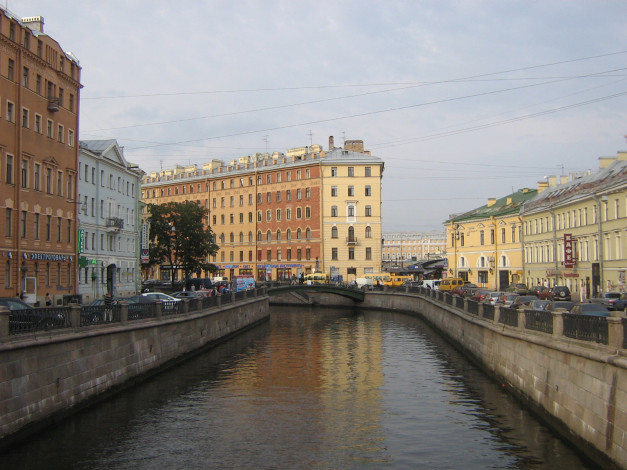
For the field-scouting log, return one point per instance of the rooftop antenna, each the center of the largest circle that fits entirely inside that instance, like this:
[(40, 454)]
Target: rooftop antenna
[(343, 139), (310, 138), (562, 167), (265, 139)]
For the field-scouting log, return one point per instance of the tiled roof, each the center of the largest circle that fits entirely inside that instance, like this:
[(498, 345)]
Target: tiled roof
[(507, 205)]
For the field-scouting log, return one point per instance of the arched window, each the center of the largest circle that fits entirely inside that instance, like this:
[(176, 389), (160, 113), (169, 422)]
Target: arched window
[(278, 234), (250, 237), (307, 233), (299, 234), (241, 237), (368, 232), (334, 232), (231, 237), (269, 235), (351, 234), (259, 236)]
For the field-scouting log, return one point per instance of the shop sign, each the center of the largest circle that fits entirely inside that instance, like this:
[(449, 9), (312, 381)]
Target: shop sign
[(47, 257), (569, 262)]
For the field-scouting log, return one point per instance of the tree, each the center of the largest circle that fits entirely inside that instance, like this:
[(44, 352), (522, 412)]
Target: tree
[(179, 237)]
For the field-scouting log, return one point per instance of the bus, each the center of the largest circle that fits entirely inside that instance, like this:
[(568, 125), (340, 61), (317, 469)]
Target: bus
[(316, 278), (378, 279)]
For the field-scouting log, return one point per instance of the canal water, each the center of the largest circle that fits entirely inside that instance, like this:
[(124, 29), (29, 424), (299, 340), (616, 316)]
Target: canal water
[(310, 389)]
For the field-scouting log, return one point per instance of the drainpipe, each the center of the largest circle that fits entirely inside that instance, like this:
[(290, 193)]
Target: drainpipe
[(554, 243), (600, 249)]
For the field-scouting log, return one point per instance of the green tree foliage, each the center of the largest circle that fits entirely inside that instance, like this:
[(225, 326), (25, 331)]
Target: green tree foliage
[(179, 238)]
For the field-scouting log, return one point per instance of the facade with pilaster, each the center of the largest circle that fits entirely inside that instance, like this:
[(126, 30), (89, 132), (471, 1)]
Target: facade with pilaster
[(109, 225)]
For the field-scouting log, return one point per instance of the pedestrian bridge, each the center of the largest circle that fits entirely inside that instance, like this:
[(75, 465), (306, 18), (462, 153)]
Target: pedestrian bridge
[(355, 294)]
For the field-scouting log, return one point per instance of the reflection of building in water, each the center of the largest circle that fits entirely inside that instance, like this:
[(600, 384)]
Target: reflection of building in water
[(321, 372)]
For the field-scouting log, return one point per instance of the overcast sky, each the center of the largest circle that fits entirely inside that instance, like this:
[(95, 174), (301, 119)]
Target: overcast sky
[(463, 100)]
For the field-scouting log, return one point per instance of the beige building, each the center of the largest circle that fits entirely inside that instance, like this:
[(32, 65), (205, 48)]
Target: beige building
[(575, 232), (280, 215), (484, 245), (402, 248)]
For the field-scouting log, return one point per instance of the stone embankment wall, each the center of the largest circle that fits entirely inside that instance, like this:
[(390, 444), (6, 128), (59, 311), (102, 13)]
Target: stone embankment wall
[(578, 387), (46, 375)]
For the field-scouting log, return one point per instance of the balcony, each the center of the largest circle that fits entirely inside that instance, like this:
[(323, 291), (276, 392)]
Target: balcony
[(351, 241), (115, 223), (54, 103)]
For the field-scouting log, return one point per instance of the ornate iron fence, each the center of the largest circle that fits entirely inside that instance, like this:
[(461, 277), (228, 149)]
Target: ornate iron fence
[(586, 327), (508, 316), (488, 311), (539, 321)]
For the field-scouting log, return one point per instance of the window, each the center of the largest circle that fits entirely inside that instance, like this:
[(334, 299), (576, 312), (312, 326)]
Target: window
[(307, 212), (278, 214), (9, 169), (48, 227), (24, 173), (299, 213), (70, 138), (60, 132), (368, 211), (351, 171), (268, 197), (37, 176), (334, 232), (491, 236), (367, 171), (368, 190), (11, 70), (333, 211), (308, 193), (481, 238), (278, 234), (334, 253), (36, 227), (268, 215), (334, 191), (259, 198), (10, 112), (350, 211), (38, 84), (49, 128), (269, 178), (278, 196), (8, 227), (351, 253), (288, 195), (308, 233), (25, 117), (351, 190), (38, 128), (288, 214), (299, 194), (23, 224), (502, 235), (368, 253), (333, 171), (368, 232)]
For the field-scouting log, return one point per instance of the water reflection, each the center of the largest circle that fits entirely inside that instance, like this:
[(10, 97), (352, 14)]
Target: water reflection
[(310, 389)]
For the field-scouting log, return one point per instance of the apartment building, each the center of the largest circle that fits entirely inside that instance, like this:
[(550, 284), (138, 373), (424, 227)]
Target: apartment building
[(278, 215), (109, 226), (402, 248), (575, 230), (484, 245), (39, 102)]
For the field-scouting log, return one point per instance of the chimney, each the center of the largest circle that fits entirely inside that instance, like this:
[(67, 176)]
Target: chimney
[(331, 143), (542, 185), (491, 201), (36, 23)]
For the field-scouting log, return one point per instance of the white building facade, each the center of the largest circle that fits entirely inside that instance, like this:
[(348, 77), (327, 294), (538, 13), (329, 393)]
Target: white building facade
[(109, 221)]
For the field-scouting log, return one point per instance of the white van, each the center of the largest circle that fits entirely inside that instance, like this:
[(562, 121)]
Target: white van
[(431, 283), (364, 283)]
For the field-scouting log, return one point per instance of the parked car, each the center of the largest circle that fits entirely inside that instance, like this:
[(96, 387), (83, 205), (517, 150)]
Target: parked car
[(506, 300), (24, 317), (554, 305), (524, 301), (186, 294), (538, 304), (621, 304), (559, 293), (160, 296), (493, 297), (597, 310), (479, 295), (540, 292), (607, 299), (520, 289)]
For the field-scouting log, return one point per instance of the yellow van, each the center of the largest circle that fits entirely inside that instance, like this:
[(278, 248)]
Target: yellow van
[(395, 280), (451, 283)]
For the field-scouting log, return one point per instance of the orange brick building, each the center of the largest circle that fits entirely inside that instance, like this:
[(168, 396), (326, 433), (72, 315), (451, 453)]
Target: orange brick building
[(39, 103)]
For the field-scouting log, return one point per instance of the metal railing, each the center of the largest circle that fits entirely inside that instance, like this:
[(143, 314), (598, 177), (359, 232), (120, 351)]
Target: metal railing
[(508, 316), (586, 327), (49, 318), (539, 321)]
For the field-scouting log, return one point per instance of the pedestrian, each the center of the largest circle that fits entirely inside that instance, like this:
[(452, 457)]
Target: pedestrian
[(22, 295), (108, 301), (48, 300)]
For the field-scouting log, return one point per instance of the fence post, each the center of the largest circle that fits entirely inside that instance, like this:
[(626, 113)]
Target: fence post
[(558, 324), (615, 330), (4, 323), (123, 312), (522, 319), (480, 309), (75, 315), (184, 308), (159, 309)]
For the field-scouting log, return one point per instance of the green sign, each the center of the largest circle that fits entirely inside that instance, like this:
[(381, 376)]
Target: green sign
[(81, 240)]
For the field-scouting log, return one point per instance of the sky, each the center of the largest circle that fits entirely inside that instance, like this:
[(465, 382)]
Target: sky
[(463, 100)]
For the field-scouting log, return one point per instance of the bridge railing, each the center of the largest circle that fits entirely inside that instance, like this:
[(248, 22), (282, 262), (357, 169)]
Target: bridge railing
[(13, 323)]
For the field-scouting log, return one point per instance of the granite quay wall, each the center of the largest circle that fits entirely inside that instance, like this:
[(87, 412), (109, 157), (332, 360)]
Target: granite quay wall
[(46, 375), (577, 386)]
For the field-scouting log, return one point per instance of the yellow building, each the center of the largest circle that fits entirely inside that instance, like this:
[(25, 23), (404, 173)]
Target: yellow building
[(484, 245), (402, 248), (281, 215), (575, 231)]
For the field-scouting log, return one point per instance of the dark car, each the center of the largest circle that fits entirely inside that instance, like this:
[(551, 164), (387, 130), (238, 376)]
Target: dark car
[(187, 294), (520, 289), (540, 292), (607, 299), (538, 304), (24, 317), (524, 300), (558, 305), (621, 304), (559, 293), (597, 310)]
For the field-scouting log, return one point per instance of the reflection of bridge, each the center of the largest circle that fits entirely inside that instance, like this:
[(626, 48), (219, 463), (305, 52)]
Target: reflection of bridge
[(355, 294)]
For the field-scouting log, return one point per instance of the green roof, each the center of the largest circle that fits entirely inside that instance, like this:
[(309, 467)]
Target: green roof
[(507, 205)]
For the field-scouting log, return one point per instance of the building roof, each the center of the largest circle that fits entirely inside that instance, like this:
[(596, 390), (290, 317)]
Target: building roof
[(582, 187), (97, 146), (507, 205)]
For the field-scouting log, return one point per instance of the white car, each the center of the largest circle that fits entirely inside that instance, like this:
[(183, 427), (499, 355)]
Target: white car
[(168, 301)]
